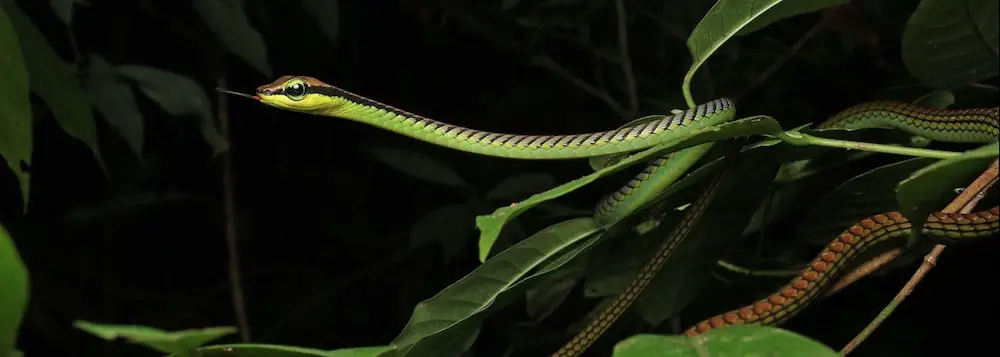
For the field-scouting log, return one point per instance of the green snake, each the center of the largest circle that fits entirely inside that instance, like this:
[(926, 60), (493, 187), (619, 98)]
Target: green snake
[(311, 96)]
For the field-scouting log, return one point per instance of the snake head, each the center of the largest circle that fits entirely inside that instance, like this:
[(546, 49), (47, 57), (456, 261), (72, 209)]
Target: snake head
[(300, 94)]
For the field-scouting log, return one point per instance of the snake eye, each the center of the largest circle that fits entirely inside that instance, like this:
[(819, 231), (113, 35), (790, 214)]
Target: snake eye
[(295, 90)]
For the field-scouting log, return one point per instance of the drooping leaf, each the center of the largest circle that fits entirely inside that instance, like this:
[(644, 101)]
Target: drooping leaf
[(327, 15), (931, 188), (951, 43), (445, 323), (786, 9), (54, 80), (178, 95), (230, 24), (15, 108), (13, 291), (722, 22), (725, 342), (182, 343), (418, 166), (491, 225), (113, 98)]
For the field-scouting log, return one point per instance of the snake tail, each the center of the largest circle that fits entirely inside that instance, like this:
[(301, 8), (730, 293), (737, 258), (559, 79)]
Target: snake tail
[(863, 236), (310, 95)]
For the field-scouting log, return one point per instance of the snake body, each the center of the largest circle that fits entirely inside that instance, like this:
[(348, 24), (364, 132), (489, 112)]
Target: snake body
[(309, 95), (871, 232)]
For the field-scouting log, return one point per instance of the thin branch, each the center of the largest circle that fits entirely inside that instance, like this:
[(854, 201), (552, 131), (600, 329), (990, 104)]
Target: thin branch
[(964, 203), (626, 61), (828, 16), (229, 212)]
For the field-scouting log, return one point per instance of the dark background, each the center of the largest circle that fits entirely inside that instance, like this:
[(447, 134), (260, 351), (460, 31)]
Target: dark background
[(324, 226)]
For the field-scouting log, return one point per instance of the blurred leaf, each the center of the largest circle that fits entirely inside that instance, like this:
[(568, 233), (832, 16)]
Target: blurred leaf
[(506, 5), (178, 95), (182, 342), (938, 99), (15, 108), (951, 43), (449, 226), (14, 289), (443, 324), (551, 290), (517, 186), (931, 188), (266, 350), (327, 15), (113, 97), (745, 340), (491, 225), (63, 9), (231, 26), (786, 9), (116, 206), (418, 166), (55, 82)]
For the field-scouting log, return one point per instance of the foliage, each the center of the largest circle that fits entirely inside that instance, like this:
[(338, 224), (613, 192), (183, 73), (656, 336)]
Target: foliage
[(949, 48)]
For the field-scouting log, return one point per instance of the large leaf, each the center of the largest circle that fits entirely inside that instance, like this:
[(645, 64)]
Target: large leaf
[(491, 225), (181, 343), (786, 9), (722, 22), (733, 341), (932, 187), (178, 95), (444, 324), (231, 26), (15, 107), (113, 97), (63, 9), (864, 195), (266, 350), (951, 43), (54, 80), (449, 226), (13, 292)]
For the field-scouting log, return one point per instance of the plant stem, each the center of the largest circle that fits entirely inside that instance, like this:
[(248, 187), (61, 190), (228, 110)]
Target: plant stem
[(801, 139)]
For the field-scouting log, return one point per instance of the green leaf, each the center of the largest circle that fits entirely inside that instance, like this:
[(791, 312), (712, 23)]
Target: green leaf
[(54, 80), (15, 108), (267, 350), (491, 225), (113, 97), (63, 10), (722, 22), (931, 188), (445, 323), (178, 95), (449, 226), (418, 166), (869, 193), (938, 99), (517, 186), (230, 24), (13, 291), (327, 15), (183, 342), (787, 9), (732, 341), (951, 43)]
